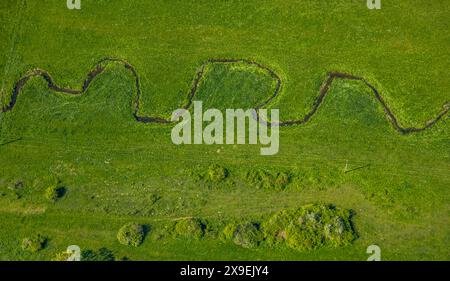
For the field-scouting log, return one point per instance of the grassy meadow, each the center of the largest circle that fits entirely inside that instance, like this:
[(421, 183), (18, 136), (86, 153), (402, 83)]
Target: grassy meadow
[(115, 170)]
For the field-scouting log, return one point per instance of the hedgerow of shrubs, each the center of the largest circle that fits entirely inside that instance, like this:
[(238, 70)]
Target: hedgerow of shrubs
[(310, 227), (264, 179), (34, 243), (305, 228), (190, 227), (131, 234)]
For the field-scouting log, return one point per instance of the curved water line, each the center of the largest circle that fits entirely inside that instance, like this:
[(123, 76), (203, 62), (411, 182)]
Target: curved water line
[(324, 90)]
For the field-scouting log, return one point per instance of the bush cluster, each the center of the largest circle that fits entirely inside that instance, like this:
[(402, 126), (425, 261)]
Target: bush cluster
[(305, 228), (102, 254), (216, 173), (247, 235), (34, 243), (190, 227), (310, 227), (265, 179), (228, 231), (131, 234), (54, 192), (61, 256)]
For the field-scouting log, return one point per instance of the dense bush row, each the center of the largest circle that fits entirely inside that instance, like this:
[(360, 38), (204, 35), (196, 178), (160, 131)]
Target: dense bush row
[(255, 178), (16, 189), (310, 227), (305, 228)]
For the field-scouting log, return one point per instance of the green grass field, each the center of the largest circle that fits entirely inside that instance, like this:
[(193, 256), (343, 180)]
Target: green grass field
[(116, 170)]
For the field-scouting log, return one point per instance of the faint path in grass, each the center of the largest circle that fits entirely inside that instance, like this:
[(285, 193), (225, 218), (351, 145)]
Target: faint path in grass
[(324, 90)]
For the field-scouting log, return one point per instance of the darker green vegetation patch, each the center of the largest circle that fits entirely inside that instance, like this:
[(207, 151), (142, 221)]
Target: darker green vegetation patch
[(267, 180), (54, 192), (189, 228), (213, 175), (310, 227), (34, 243), (216, 173), (247, 235), (102, 254), (131, 234), (13, 190), (306, 228), (62, 256)]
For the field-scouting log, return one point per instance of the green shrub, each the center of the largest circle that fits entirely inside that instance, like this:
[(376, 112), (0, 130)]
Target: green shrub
[(265, 179), (228, 231), (102, 254), (132, 234), (54, 192), (310, 227), (34, 243), (62, 256), (216, 173), (190, 227), (281, 180), (14, 189), (164, 230), (247, 235)]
